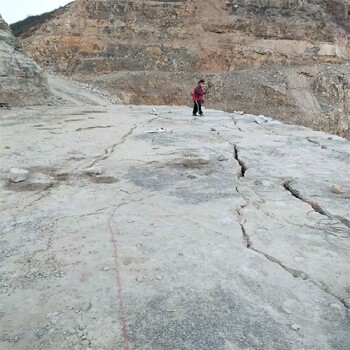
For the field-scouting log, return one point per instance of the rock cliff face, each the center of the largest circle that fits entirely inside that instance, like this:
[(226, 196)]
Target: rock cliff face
[(176, 42), (206, 35), (21, 80)]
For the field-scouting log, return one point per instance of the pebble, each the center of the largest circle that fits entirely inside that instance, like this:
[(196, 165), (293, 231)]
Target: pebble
[(106, 268), (295, 327), (337, 189), (18, 175), (212, 129), (158, 277)]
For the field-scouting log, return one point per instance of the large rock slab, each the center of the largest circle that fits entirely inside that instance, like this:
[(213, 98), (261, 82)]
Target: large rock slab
[(206, 236)]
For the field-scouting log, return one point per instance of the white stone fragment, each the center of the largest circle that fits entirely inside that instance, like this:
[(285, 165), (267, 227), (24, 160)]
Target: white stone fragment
[(157, 131), (153, 111), (18, 175), (295, 327), (94, 170), (261, 119)]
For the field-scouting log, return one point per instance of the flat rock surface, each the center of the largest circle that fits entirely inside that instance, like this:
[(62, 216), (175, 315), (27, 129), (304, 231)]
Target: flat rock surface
[(219, 233)]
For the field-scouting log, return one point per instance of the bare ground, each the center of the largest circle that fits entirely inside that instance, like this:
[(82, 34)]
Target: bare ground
[(208, 235)]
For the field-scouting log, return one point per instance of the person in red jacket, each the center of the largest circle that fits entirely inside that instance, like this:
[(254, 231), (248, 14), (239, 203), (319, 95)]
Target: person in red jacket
[(198, 98)]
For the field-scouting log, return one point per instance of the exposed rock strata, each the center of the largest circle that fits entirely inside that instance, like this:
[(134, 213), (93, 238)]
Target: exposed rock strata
[(170, 40), (22, 82), (204, 35)]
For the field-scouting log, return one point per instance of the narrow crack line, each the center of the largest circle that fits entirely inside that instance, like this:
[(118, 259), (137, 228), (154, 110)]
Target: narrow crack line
[(98, 211), (109, 150), (313, 141), (293, 272), (344, 221), (43, 194), (236, 123), (95, 127), (246, 237), (243, 166), (315, 206), (295, 193), (240, 162)]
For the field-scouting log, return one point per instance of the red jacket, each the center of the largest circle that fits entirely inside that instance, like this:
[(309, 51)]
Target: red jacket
[(198, 93)]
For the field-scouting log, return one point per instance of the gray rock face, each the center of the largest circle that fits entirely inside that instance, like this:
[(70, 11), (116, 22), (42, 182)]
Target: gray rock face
[(22, 82), (168, 247)]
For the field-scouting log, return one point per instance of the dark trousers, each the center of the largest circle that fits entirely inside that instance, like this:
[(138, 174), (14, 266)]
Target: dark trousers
[(197, 107)]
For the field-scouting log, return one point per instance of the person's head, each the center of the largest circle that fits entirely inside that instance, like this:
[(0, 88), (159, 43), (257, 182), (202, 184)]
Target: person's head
[(201, 82)]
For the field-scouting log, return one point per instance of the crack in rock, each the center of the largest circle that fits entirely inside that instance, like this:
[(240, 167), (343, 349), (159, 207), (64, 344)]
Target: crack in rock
[(95, 127), (109, 150), (240, 162), (246, 237), (315, 206), (43, 194), (293, 272)]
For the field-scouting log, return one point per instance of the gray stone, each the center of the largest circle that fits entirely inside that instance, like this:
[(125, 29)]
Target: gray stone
[(337, 189), (95, 170), (18, 175), (295, 327)]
